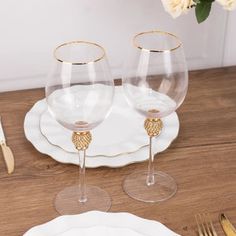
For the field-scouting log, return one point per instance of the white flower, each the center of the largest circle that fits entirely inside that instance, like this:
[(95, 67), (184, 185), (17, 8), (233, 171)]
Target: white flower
[(177, 7), (227, 4)]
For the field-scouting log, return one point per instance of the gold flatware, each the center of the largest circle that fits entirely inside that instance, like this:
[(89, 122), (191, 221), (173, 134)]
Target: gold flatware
[(7, 153), (205, 225), (227, 226)]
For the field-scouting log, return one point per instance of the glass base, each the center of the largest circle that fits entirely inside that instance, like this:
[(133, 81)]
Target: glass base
[(67, 201), (163, 188)]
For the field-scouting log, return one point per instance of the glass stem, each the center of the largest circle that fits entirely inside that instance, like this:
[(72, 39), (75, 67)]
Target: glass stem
[(82, 185), (150, 176)]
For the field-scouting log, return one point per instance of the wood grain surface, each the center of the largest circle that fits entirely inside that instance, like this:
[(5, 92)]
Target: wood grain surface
[(202, 160)]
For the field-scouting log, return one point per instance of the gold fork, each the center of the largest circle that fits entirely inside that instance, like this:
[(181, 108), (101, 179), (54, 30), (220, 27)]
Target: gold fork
[(204, 225)]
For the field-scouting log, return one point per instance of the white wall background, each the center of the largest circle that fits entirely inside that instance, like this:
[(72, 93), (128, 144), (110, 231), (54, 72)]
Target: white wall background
[(30, 30)]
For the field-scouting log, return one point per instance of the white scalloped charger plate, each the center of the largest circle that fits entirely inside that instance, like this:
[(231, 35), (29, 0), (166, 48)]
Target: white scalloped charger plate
[(100, 224), (34, 135)]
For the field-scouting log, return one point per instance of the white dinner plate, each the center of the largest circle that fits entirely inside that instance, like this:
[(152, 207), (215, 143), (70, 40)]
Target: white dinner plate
[(100, 224), (34, 135)]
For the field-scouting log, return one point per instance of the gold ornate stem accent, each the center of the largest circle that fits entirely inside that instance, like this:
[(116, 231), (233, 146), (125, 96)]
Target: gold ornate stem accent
[(81, 140), (153, 126)]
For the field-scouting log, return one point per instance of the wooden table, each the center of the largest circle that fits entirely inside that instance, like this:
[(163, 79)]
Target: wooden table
[(202, 160)]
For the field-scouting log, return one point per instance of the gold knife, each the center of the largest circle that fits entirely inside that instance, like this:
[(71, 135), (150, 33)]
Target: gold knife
[(7, 153), (227, 226)]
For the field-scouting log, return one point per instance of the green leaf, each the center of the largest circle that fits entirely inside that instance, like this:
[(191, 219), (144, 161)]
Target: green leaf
[(202, 10)]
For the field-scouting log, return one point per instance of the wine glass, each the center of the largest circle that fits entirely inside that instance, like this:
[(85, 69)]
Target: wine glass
[(155, 82), (79, 94)]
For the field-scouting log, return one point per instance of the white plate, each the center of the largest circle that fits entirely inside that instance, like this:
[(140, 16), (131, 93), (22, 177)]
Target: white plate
[(121, 132), (100, 231), (34, 135), (86, 224)]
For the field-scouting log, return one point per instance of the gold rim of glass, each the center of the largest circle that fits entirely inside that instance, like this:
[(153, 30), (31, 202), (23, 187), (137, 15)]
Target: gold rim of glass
[(76, 62), (156, 32)]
